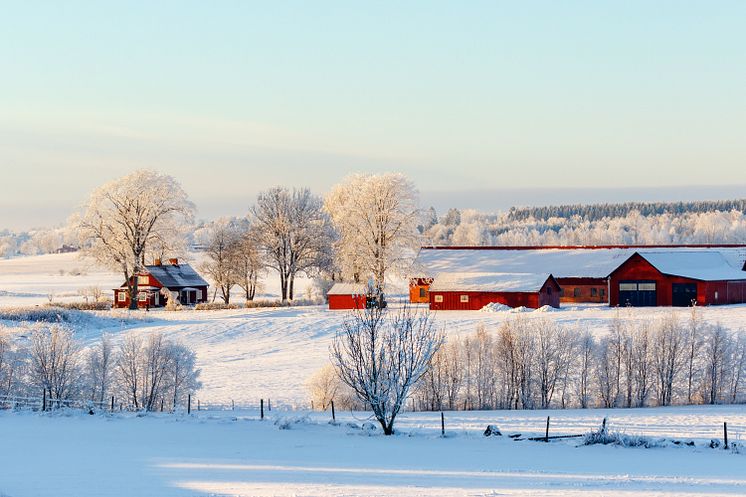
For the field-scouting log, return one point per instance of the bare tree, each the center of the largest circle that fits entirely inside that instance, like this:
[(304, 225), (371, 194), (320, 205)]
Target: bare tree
[(222, 249), (323, 386), (141, 214), (248, 262), (376, 217), (294, 232), (100, 365), (182, 376), (586, 349), (55, 361), (381, 356), (668, 355), (717, 349), (129, 367)]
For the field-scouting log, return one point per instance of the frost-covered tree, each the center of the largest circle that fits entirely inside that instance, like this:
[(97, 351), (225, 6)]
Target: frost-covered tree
[(376, 216), (99, 368), (381, 355), (294, 233), (222, 251), (323, 386), (54, 359), (248, 262), (140, 215)]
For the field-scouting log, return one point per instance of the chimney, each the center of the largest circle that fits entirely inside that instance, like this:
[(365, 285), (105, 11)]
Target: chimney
[(173, 262), (157, 262)]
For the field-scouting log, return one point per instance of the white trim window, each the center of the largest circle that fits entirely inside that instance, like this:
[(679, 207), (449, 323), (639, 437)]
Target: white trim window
[(439, 299), (464, 299), (121, 296), (143, 280)]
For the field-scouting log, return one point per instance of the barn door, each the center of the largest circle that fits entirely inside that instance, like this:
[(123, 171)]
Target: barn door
[(682, 294), (638, 293)]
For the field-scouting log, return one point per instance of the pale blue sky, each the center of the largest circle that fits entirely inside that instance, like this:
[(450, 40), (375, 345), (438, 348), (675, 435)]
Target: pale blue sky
[(233, 97)]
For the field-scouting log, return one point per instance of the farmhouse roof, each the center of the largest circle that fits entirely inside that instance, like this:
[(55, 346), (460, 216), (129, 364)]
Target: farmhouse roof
[(176, 275), (489, 282), (700, 265)]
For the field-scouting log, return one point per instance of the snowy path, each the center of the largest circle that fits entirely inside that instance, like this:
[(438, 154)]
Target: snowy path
[(224, 455)]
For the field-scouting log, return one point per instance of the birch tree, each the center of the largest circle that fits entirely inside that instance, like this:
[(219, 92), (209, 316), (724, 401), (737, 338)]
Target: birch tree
[(140, 215), (376, 217)]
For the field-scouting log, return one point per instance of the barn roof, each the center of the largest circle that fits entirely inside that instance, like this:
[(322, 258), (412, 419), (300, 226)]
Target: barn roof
[(489, 282), (588, 262), (176, 275), (348, 289), (703, 265)]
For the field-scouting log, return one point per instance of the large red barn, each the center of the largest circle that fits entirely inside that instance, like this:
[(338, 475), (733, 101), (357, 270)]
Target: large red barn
[(677, 278), (347, 296), (473, 291)]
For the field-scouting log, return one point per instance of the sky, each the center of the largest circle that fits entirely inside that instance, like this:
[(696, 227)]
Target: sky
[(481, 104)]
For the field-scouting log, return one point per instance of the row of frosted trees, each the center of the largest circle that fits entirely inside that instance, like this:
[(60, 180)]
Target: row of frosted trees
[(142, 373), (535, 363)]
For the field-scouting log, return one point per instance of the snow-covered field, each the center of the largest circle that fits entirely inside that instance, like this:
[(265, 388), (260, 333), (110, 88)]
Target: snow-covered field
[(249, 354)]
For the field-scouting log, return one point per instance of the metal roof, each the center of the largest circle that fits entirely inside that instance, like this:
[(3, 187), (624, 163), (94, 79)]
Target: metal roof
[(176, 276)]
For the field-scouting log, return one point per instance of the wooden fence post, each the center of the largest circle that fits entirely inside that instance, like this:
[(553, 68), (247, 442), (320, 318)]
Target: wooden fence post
[(269, 404), (725, 434), (189, 404), (334, 416), (261, 409), (546, 434), (233, 405), (442, 424), (112, 403), (198, 407), (161, 405), (44, 400)]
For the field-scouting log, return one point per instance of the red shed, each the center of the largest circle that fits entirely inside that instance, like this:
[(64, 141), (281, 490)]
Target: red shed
[(347, 296), (472, 291), (677, 278)]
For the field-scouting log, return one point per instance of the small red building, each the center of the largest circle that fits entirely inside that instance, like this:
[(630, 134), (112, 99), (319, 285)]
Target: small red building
[(160, 282), (347, 296), (473, 291), (656, 278)]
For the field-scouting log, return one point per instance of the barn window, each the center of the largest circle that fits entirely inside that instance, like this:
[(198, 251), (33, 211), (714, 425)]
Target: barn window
[(603, 292), (716, 294), (562, 292), (627, 287), (121, 296), (464, 298), (594, 292), (576, 292), (439, 298), (142, 280), (423, 293), (646, 287)]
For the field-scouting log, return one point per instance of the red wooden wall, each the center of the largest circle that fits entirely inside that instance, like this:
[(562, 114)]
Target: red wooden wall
[(347, 301), (548, 295)]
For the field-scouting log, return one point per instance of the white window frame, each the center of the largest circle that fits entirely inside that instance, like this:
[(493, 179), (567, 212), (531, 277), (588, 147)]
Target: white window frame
[(647, 287), (143, 279), (438, 299), (142, 297), (464, 299), (121, 297)]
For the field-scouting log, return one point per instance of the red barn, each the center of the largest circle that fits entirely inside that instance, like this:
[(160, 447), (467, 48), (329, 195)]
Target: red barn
[(472, 291), (677, 278), (160, 282), (347, 296)]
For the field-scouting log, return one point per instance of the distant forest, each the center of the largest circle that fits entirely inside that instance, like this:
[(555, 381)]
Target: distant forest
[(594, 212)]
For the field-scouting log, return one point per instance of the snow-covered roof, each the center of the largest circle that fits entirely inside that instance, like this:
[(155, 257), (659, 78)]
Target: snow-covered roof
[(561, 262), (348, 289), (176, 276), (489, 282), (703, 265)]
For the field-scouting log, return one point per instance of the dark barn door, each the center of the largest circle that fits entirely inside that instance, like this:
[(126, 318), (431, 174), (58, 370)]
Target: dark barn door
[(682, 294), (638, 293)]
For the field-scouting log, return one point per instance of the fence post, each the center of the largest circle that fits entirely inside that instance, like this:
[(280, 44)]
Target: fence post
[(312, 405), (334, 416), (269, 404), (261, 408), (233, 405), (725, 434), (198, 406), (189, 404), (546, 435), (44, 400), (112, 403), (442, 424), (161, 405)]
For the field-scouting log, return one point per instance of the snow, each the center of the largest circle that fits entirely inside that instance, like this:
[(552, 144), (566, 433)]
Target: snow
[(562, 263), (488, 282), (495, 307), (289, 454), (695, 264)]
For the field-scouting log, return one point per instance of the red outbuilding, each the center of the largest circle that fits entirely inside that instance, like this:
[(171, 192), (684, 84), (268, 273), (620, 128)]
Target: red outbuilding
[(347, 296), (677, 278), (159, 283), (473, 291)]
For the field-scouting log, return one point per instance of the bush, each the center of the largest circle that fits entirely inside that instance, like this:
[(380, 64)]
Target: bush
[(47, 314), (214, 306), (251, 304), (83, 306), (605, 437)]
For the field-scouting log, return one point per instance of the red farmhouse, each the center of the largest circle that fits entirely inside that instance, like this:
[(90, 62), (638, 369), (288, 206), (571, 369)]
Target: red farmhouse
[(677, 278), (347, 296), (160, 282), (472, 291)]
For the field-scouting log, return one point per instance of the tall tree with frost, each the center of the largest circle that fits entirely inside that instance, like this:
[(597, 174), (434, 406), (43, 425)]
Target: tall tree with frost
[(294, 232), (140, 215), (381, 355), (376, 216), (222, 251)]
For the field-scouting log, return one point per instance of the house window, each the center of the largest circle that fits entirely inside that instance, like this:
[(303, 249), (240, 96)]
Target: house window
[(142, 296), (121, 296), (594, 292), (439, 298), (576, 292), (562, 292), (143, 280), (423, 293), (464, 298), (603, 292)]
